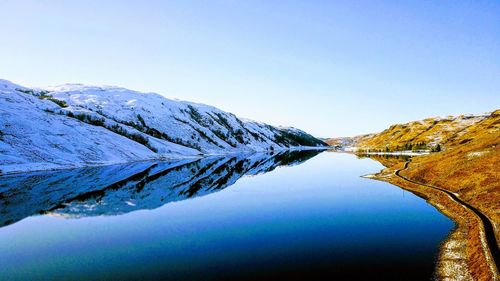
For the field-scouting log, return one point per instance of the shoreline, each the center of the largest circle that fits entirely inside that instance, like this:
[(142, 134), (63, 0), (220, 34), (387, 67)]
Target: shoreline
[(465, 253)]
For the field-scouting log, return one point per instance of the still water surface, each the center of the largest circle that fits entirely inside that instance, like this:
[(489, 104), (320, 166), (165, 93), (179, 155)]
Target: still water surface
[(295, 216)]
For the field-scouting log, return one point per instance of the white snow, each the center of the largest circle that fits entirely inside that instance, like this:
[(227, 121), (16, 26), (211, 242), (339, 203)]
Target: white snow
[(38, 134)]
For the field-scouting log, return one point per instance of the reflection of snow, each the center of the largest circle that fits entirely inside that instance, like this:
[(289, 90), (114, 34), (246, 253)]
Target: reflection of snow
[(119, 189)]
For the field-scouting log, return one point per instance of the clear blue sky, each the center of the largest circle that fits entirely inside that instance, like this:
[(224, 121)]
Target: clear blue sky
[(332, 68)]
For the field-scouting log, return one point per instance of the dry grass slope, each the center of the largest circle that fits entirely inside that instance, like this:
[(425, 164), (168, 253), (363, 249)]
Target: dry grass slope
[(468, 166), (424, 134)]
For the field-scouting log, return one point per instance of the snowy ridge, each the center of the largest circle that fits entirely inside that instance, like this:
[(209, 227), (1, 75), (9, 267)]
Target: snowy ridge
[(75, 125)]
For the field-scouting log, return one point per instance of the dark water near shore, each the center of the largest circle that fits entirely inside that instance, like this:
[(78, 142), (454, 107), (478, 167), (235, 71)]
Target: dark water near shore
[(294, 216)]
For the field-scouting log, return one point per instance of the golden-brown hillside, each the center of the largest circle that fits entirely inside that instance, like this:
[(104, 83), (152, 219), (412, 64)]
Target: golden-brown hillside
[(426, 134), (469, 163), (470, 166), (467, 166)]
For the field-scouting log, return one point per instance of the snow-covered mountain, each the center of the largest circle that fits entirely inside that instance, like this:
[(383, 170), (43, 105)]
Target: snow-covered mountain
[(75, 125)]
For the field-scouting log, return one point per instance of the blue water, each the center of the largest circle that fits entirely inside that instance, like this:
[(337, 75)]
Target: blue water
[(295, 216)]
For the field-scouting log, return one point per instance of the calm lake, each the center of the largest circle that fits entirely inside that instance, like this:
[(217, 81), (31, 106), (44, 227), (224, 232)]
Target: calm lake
[(297, 216)]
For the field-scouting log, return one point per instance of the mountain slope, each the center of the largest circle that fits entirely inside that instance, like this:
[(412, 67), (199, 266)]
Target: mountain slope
[(428, 134), (75, 125), (468, 166)]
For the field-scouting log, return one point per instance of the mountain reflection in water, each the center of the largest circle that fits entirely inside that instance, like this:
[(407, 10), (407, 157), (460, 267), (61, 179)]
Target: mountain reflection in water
[(119, 189)]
